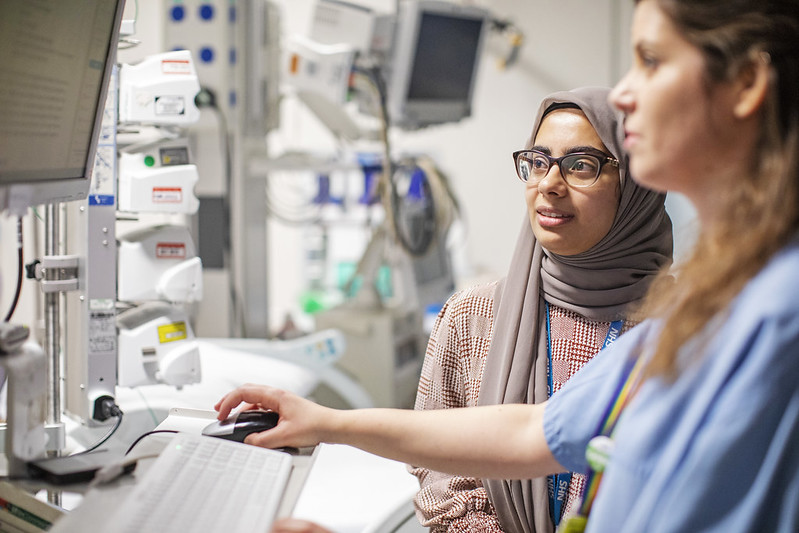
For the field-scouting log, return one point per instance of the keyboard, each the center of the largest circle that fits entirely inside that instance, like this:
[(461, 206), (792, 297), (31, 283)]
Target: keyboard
[(201, 483)]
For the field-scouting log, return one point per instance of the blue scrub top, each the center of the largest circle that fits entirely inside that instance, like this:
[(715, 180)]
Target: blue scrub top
[(717, 449)]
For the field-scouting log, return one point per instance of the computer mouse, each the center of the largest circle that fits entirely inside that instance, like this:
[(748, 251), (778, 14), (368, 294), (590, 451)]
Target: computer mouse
[(236, 427)]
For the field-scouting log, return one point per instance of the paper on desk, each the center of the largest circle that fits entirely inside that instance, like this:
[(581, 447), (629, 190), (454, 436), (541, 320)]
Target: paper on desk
[(187, 420)]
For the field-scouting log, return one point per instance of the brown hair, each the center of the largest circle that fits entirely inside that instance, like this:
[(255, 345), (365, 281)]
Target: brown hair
[(762, 214)]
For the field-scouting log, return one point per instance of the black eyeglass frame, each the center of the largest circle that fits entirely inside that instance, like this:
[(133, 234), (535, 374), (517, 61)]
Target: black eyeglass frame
[(602, 160)]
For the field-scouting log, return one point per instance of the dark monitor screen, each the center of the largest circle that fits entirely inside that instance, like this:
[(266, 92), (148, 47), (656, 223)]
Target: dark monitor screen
[(55, 61), (445, 58), (434, 63)]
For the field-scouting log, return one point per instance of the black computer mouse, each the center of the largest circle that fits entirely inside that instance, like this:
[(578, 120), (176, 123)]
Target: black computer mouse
[(236, 427)]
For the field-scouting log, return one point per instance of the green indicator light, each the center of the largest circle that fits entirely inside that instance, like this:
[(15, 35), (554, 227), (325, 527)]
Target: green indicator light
[(149, 160)]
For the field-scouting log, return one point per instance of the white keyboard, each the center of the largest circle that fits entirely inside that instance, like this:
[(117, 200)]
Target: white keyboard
[(206, 484)]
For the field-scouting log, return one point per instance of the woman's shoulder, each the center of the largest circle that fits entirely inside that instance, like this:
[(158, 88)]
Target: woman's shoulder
[(764, 317), (775, 288), (474, 300)]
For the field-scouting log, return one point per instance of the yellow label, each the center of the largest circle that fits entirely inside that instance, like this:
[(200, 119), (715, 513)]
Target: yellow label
[(172, 332), (575, 524)]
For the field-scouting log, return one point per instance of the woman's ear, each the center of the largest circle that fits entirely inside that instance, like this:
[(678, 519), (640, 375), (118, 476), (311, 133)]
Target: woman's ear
[(752, 86)]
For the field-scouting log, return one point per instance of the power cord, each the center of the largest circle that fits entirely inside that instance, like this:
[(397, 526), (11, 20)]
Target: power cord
[(135, 442), (104, 408), (112, 471), (20, 270)]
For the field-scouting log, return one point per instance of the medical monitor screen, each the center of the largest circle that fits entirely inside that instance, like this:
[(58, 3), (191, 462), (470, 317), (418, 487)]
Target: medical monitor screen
[(55, 60), (434, 64), (445, 58)]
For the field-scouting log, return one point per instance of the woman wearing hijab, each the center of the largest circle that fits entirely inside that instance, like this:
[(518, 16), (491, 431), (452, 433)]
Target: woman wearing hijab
[(585, 257)]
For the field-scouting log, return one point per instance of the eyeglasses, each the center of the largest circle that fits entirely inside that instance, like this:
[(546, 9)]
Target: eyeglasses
[(578, 170)]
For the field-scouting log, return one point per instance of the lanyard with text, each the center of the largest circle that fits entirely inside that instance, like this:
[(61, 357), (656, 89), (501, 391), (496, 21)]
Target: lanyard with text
[(600, 448), (559, 483)]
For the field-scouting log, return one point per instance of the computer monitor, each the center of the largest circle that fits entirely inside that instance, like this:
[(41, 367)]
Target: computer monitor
[(56, 57), (436, 52)]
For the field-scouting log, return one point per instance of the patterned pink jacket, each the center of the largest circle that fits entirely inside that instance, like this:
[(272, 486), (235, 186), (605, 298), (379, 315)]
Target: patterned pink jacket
[(451, 376)]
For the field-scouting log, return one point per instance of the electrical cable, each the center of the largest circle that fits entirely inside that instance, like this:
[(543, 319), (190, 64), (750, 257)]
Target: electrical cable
[(448, 206), (104, 439), (419, 224), (104, 408), (20, 270), (138, 440), (386, 187), (439, 195)]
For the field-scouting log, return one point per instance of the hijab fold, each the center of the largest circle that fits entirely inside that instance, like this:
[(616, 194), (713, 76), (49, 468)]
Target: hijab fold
[(601, 284)]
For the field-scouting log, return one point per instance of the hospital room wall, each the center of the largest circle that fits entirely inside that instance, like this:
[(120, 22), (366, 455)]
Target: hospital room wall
[(568, 43)]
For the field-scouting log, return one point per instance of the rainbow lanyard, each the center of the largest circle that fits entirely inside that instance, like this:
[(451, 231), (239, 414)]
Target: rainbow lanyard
[(558, 484), (628, 386)]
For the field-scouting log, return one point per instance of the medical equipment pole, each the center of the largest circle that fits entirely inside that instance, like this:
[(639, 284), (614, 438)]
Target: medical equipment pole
[(52, 330), (52, 319)]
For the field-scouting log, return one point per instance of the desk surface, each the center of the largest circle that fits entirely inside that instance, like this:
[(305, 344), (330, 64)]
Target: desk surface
[(93, 512), (342, 488)]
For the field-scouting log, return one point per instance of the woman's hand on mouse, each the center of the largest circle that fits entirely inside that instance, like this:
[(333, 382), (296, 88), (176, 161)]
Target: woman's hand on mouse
[(302, 422)]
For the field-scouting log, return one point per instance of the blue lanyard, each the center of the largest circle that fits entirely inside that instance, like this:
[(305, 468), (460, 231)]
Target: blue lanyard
[(559, 483)]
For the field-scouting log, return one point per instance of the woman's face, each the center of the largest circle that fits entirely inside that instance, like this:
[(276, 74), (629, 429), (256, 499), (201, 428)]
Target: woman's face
[(679, 130), (568, 220)]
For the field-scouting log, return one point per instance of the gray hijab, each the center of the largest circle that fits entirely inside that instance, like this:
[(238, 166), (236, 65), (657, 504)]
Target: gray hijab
[(600, 283)]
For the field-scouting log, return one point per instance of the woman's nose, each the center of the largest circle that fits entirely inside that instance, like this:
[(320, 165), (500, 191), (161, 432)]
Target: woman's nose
[(553, 182), (621, 95)]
